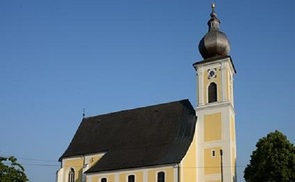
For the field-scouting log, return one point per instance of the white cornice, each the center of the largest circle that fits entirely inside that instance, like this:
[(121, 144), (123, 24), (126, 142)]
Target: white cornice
[(215, 105)]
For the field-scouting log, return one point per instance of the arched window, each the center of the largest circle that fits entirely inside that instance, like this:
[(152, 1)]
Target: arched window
[(71, 175), (212, 92), (131, 178), (161, 177), (103, 180)]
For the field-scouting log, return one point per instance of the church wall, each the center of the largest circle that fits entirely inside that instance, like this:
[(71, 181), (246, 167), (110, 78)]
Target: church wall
[(212, 127), (141, 175), (138, 176), (228, 82), (233, 169), (216, 80), (228, 85), (223, 78), (212, 160), (232, 128), (188, 165), (110, 178), (75, 163), (79, 164), (233, 146), (169, 174)]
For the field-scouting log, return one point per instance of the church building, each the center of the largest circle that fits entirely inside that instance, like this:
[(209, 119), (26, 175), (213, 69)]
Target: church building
[(168, 142)]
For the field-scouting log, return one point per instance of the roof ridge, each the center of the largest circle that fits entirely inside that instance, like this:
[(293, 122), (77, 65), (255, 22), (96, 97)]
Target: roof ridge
[(138, 108)]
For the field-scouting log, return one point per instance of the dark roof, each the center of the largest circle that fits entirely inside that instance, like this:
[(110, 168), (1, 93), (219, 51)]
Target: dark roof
[(147, 136)]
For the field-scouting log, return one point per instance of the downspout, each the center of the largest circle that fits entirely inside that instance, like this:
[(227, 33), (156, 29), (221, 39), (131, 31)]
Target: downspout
[(221, 165), (178, 171)]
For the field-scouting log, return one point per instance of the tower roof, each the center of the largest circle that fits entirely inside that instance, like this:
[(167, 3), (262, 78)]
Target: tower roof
[(215, 42)]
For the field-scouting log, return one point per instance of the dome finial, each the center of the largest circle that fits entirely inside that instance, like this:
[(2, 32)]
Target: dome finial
[(213, 14), (214, 22), (213, 7)]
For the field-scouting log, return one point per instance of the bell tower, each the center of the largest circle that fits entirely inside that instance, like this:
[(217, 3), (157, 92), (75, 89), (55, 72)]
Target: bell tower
[(216, 138)]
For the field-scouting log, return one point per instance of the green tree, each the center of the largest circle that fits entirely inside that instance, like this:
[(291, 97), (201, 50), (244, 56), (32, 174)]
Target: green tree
[(11, 171), (272, 161)]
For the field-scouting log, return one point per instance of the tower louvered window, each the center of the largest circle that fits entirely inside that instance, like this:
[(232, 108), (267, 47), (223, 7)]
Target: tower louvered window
[(212, 92), (161, 177), (131, 178)]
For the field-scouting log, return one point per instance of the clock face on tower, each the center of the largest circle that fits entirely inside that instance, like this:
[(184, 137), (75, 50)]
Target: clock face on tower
[(211, 73)]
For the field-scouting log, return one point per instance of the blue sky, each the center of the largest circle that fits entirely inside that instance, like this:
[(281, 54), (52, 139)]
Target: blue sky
[(59, 56)]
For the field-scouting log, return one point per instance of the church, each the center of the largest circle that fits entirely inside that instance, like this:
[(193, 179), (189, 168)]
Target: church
[(167, 142)]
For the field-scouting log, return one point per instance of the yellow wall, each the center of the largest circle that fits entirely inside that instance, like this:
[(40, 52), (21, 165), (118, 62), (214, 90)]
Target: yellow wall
[(233, 161), (212, 127), (77, 165), (96, 179), (139, 175), (110, 178), (228, 82), (218, 80), (169, 174), (232, 128), (207, 81), (212, 163), (189, 163), (94, 159)]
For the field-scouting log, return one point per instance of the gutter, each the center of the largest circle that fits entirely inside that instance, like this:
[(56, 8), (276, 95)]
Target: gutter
[(178, 172)]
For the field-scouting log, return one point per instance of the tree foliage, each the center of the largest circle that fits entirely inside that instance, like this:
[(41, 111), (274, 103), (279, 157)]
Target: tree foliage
[(272, 161), (11, 171)]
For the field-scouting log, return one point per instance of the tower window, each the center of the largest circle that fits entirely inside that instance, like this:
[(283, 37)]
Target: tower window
[(131, 178), (212, 92), (103, 180), (161, 177), (71, 177)]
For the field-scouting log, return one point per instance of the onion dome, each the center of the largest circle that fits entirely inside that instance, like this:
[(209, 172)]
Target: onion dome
[(215, 42)]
